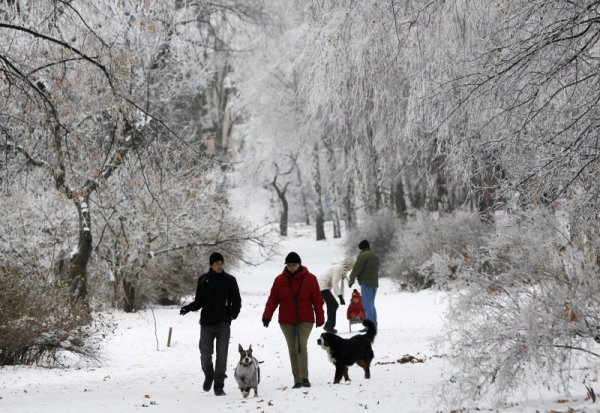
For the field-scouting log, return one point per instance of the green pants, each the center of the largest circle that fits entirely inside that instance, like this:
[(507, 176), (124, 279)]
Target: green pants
[(296, 336)]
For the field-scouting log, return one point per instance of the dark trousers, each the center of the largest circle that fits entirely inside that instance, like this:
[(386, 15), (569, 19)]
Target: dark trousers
[(332, 306), (208, 335)]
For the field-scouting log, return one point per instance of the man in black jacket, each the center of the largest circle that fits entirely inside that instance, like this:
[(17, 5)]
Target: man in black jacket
[(219, 298)]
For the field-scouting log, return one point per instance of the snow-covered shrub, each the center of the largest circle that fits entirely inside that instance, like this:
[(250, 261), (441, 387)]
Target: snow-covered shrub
[(533, 318), (38, 319), (433, 248), (379, 230)]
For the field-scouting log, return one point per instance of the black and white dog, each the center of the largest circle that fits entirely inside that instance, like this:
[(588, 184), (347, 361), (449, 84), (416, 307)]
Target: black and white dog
[(345, 352), (247, 372)]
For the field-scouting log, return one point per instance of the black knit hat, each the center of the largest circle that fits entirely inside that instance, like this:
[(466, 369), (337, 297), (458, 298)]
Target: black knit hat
[(363, 245), (214, 257), (293, 258)]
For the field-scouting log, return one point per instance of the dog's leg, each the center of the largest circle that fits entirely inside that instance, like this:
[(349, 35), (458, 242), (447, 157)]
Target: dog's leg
[(339, 372), (256, 392), (245, 391), (365, 367), (346, 377)]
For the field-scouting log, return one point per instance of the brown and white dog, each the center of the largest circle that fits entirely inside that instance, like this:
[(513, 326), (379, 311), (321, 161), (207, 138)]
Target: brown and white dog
[(345, 352), (247, 372)]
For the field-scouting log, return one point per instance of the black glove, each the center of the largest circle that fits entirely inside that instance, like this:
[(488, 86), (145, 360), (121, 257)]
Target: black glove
[(350, 283), (341, 297), (266, 322), (184, 310)]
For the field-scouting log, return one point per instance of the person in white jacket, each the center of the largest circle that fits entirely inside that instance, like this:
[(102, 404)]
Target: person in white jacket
[(333, 278)]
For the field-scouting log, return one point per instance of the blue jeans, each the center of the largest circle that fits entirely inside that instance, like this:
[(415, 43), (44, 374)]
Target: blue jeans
[(368, 300)]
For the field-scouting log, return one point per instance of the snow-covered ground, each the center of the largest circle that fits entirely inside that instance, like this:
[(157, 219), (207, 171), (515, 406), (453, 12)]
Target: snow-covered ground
[(134, 375)]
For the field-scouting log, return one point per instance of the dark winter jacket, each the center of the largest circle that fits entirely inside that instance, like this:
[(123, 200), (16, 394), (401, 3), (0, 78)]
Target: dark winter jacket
[(298, 297), (366, 269), (218, 295)]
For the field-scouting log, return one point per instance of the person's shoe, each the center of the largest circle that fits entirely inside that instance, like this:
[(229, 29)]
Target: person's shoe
[(208, 380), (305, 383), (297, 385), (330, 330), (219, 392)]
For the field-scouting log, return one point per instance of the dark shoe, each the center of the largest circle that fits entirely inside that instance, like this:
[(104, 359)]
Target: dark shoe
[(219, 392), (330, 330), (297, 385), (305, 383), (208, 380)]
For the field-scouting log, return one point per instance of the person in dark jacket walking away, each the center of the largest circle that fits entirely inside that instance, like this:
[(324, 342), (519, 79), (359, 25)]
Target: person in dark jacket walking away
[(296, 292), (366, 271), (218, 295)]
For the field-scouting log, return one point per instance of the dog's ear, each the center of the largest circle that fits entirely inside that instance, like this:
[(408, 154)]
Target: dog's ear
[(240, 348), (250, 347)]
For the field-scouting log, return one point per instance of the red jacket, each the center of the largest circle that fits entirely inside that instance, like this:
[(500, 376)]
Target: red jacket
[(304, 286)]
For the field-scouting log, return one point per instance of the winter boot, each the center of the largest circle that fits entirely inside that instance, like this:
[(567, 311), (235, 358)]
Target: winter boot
[(219, 384), (208, 381)]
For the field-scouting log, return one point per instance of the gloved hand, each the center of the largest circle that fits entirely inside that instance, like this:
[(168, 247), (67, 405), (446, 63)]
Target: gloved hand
[(266, 322), (350, 283), (341, 298), (319, 324), (184, 310)]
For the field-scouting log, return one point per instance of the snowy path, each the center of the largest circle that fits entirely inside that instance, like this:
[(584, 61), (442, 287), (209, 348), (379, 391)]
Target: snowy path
[(134, 376)]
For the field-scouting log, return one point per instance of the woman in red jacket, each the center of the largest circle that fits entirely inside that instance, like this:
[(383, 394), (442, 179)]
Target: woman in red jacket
[(296, 292)]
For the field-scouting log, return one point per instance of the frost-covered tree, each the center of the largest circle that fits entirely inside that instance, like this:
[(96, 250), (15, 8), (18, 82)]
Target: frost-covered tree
[(104, 83), (515, 112), (97, 105)]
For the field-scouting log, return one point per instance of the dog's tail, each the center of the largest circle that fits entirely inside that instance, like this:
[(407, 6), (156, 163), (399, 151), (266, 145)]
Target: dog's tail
[(371, 329)]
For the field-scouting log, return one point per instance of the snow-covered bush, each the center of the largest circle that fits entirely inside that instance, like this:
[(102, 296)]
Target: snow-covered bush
[(38, 319), (433, 248), (379, 229), (534, 317)]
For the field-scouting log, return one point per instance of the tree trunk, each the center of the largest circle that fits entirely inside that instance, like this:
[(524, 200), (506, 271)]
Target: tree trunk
[(319, 221), (333, 187), (439, 196), (416, 194), (399, 200), (348, 201), (132, 280), (80, 258), (128, 295), (303, 195), (371, 193), (283, 217)]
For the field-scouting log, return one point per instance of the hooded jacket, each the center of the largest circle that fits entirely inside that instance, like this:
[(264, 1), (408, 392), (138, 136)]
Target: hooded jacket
[(298, 297), (333, 278)]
